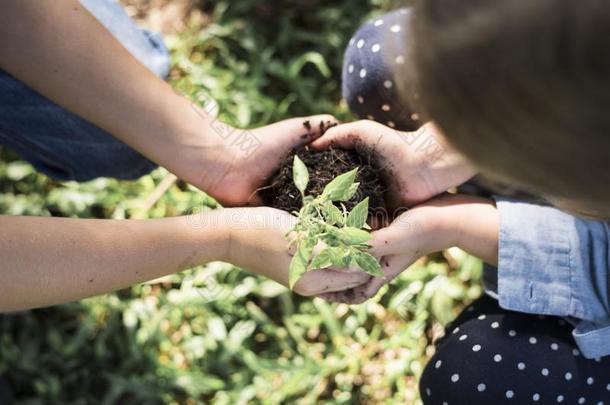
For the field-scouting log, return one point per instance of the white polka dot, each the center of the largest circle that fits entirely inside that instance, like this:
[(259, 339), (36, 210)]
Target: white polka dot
[(575, 352), (608, 387), (481, 387), (456, 330), (521, 366), (360, 43), (385, 108), (445, 403), (509, 394), (533, 340), (598, 359), (378, 23), (590, 380), (481, 317), (545, 372), (495, 325), (455, 378), (428, 392), (600, 403), (498, 358), (512, 333), (554, 346), (463, 337), (400, 60), (350, 68), (568, 376), (536, 397), (395, 28), (476, 348), (370, 118), (415, 117), (376, 48), (559, 398), (391, 124), (581, 400), (360, 99), (388, 84), (438, 364), (363, 73)]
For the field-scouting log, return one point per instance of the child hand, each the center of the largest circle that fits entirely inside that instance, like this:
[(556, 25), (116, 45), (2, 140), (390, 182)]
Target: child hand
[(417, 165), (466, 222), (259, 244)]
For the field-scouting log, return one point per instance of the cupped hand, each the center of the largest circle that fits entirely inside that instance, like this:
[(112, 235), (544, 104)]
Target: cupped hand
[(248, 158), (470, 223), (259, 244), (415, 165)]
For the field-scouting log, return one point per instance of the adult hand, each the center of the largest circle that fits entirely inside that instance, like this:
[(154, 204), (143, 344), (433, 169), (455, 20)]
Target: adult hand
[(416, 165), (467, 222), (241, 161), (259, 244)]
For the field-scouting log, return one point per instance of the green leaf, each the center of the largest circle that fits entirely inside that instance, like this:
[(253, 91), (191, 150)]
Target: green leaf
[(338, 189), (332, 214), (300, 174), (368, 263), (354, 236), (298, 264), (357, 218), (322, 261), (351, 192)]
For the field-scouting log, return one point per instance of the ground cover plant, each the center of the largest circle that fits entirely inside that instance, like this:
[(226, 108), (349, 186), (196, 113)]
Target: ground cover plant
[(217, 334)]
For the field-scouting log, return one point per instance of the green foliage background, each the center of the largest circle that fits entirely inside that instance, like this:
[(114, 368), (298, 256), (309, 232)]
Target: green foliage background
[(216, 334)]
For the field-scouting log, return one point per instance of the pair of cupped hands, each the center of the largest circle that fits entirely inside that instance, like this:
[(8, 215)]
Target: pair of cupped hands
[(418, 168)]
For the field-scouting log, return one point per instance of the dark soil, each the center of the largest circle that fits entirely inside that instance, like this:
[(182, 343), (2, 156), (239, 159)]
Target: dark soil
[(323, 167)]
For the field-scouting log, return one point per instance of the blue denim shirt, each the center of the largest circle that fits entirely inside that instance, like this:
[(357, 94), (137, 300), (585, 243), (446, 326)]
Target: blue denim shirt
[(553, 263)]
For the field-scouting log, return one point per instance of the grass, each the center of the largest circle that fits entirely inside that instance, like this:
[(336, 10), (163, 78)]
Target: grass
[(216, 334)]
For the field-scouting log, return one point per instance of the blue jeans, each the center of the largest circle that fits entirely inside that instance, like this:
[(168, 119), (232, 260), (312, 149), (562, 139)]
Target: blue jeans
[(63, 145)]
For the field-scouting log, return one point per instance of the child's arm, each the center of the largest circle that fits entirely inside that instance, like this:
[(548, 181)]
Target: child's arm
[(467, 222), (60, 50), (47, 261)]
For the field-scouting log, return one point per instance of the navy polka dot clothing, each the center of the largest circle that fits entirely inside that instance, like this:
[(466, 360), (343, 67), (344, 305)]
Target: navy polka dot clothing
[(488, 355), (374, 53)]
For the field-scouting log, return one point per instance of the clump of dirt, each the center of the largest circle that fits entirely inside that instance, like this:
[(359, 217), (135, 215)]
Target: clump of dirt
[(323, 167)]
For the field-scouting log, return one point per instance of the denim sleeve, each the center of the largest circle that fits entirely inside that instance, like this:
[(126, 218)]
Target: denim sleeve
[(553, 263)]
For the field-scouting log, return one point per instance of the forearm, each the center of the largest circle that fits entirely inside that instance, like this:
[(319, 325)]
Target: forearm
[(47, 261), (59, 49)]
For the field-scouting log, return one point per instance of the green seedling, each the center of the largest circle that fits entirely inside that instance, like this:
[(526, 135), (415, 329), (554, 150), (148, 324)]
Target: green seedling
[(342, 234)]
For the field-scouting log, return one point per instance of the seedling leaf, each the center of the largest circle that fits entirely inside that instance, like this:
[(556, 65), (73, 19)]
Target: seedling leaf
[(298, 264), (368, 263), (300, 175), (333, 215), (321, 261), (338, 189), (354, 236), (357, 218)]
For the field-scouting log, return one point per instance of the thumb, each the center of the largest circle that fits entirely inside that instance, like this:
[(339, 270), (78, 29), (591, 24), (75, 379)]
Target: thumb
[(349, 136), (295, 132)]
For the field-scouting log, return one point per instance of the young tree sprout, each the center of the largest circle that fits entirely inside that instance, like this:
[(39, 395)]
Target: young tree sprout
[(342, 234)]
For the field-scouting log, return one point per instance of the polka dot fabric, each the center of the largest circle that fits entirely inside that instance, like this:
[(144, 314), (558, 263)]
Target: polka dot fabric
[(493, 356), (373, 56)]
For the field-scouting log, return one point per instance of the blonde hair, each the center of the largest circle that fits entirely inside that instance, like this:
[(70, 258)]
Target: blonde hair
[(522, 88)]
